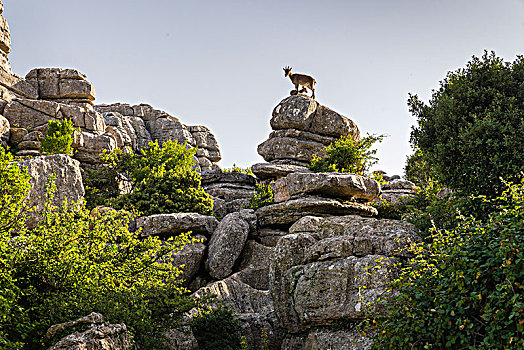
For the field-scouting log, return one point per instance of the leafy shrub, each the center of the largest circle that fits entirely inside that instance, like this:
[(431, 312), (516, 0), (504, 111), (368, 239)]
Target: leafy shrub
[(74, 263), (464, 287), (217, 329), (471, 133), (348, 156), (263, 196), (162, 180), (59, 137), (236, 169), (417, 170)]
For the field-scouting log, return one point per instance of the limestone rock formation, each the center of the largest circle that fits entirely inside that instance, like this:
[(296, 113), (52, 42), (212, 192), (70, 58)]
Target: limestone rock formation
[(302, 128), (153, 124), (97, 337), (68, 181), (334, 185), (231, 191), (284, 214), (227, 242), (319, 269), (168, 225), (253, 307), (6, 74)]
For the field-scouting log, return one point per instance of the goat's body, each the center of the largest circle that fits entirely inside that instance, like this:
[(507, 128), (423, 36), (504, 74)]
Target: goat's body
[(301, 80)]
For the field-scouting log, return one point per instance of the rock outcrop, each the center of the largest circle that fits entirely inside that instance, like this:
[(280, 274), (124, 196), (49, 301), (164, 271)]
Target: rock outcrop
[(99, 335), (68, 181), (6, 74), (301, 129), (328, 269)]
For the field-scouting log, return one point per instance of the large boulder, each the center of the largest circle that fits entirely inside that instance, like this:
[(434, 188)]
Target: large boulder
[(254, 265), (170, 225), (302, 128), (227, 242), (190, 258), (334, 185), (324, 339), (63, 85), (68, 182), (97, 337), (328, 269), (276, 170), (284, 214), (5, 131)]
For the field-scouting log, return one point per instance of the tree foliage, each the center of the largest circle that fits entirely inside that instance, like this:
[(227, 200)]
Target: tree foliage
[(471, 133), (75, 262), (217, 328), (161, 179), (464, 288), (59, 137), (348, 156)]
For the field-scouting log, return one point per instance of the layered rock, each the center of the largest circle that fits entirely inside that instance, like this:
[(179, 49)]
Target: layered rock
[(68, 181), (99, 335), (6, 74), (302, 129), (231, 191), (253, 307), (398, 190), (153, 124), (328, 269)]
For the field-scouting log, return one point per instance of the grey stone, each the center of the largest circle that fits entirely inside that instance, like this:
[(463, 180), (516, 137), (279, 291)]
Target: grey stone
[(5, 130), (290, 148), (334, 185), (254, 265), (324, 339), (227, 242), (284, 214), (17, 135), (294, 112), (266, 171), (168, 225), (190, 258)]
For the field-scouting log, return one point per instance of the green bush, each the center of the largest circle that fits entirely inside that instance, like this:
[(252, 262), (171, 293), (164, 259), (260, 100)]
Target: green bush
[(464, 287), (217, 329), (162, 180), (263, 196), (471, 133), (74, 263), (236, 169), (59, 137), (348, 156)]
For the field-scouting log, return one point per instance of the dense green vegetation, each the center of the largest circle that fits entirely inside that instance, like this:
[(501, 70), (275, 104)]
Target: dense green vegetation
[(59, 137), (471, 134), (348, 156), (464, 288), (263, 196), (217, 328), (74, 263), (161, 179)]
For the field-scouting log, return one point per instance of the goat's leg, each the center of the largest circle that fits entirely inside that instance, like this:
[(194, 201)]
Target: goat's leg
[(296, 88), (313, 94)]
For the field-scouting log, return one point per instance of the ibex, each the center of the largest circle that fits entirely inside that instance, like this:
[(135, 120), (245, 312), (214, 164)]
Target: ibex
[(300, 79)]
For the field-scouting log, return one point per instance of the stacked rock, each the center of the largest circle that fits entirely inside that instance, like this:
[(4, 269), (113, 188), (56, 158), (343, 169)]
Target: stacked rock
[(153, 124), (302, 128), (6, 74), (231, 191)]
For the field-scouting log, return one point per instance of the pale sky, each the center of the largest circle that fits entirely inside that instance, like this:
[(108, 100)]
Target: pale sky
[(219, 63)]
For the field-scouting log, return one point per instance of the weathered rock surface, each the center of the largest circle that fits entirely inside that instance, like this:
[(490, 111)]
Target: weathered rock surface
[(181, 339), (302, 129), (334, 185), (5, 131), (153, 124), (6, 74), (99, 336), (68, 181), (61, 84), (167, 225), (339, 340), (227, 242), (190, 258), (274, 170), (319, 269), (254, 265), (253, 307), (284, 214)]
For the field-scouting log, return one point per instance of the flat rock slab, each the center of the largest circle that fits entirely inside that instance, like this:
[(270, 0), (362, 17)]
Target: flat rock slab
[(267, 171), (333, 185), (214, 176), (284, 214), (174, 224)]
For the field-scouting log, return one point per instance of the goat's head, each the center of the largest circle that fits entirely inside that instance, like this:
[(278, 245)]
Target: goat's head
[(287, 71)]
